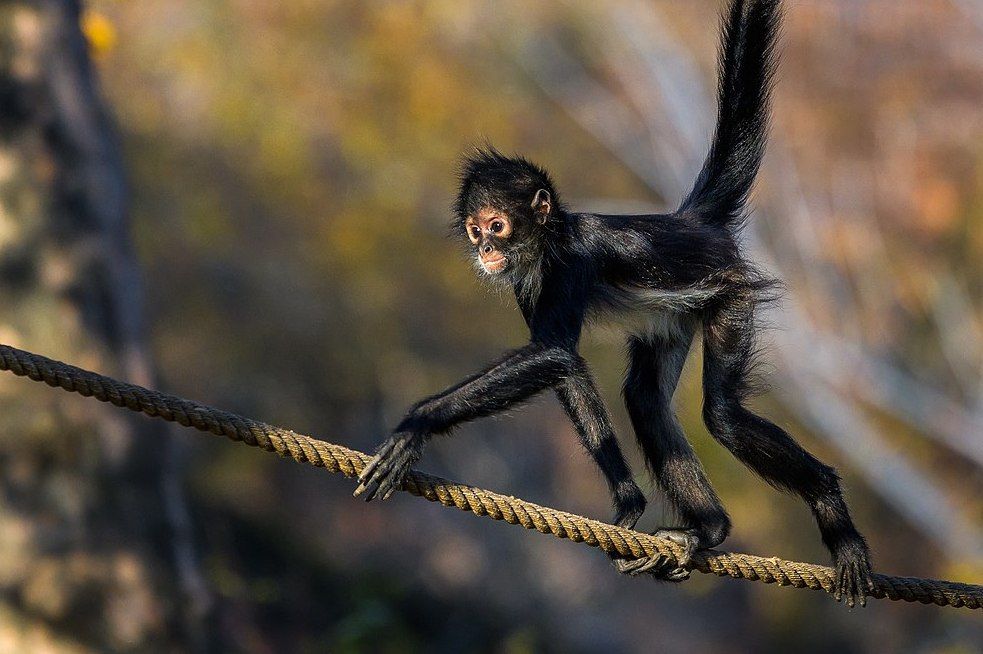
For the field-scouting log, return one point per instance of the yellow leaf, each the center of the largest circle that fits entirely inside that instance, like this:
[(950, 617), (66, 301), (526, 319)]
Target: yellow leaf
[(99, 31)]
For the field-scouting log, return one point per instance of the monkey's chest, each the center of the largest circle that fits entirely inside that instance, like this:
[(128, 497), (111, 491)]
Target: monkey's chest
[(650, 312)]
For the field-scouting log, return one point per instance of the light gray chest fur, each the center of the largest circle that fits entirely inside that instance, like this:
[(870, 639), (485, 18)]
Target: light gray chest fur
[(651, 312)]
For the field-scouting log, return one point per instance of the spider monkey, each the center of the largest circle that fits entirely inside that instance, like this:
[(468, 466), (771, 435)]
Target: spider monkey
[(664, 277)]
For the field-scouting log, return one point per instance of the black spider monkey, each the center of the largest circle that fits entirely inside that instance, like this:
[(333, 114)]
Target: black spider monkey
[(663, 277)]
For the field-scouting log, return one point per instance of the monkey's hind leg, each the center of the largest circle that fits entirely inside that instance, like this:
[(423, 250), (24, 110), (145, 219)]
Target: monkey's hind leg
[(770, 452), (654, 368)]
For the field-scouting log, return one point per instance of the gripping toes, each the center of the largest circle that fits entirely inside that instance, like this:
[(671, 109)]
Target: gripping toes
[(657, 566), (854, 580), (660, 566), (384, 474), (853, 583)]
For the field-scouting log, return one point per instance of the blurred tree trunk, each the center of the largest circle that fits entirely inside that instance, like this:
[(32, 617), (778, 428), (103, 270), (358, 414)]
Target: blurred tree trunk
[(87, 512)]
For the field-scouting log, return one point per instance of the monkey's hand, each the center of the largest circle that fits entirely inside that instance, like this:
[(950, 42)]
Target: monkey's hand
[(384, 474), (854, 579), (661, 566)]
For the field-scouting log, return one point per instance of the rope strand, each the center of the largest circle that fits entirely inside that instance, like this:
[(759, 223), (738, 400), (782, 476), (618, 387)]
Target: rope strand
[(336, 458)]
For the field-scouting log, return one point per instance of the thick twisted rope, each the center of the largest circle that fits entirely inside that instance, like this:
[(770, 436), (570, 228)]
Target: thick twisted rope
[(335, 458)]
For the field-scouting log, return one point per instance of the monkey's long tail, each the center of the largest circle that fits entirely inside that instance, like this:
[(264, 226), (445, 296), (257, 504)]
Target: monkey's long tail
[(746, 68)]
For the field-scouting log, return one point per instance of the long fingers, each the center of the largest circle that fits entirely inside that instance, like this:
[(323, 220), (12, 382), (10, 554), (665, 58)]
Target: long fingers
[(852, 584), (384, 474), (659, 566), (378, 469), (850, 589), (839, 582), (677, 575), (657, 561), (636, 566), (371, 466)]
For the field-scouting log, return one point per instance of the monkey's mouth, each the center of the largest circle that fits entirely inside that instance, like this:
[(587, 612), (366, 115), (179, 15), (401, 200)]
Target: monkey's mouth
[(494, 263)]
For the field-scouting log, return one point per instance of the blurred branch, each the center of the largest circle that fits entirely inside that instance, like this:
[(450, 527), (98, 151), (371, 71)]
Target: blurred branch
[(961, 337), (907, 490), (932, 412), (67, 253), (90, 135), (973, 10), (596, 108)]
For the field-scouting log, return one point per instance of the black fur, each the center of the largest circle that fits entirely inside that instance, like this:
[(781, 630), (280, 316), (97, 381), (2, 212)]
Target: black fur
[(747, 65), (663, 277)]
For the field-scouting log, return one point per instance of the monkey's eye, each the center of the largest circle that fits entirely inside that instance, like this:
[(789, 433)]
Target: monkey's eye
[(497, 226), (474, 233)]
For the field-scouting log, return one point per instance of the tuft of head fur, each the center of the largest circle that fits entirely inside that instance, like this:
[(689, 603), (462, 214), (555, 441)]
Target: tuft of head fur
[(488, 178)]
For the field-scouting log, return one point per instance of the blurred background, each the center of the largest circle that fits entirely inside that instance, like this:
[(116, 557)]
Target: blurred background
[(246, 203)]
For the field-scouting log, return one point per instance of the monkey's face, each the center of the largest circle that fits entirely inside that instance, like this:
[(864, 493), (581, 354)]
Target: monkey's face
[(504, 206), (489, 231), (503, 239)]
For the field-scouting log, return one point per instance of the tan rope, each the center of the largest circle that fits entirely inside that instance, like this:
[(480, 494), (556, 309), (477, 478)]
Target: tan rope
[(611, 539)]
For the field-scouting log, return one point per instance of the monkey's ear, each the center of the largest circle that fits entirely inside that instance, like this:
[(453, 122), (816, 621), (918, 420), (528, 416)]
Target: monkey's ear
[(542, 204)]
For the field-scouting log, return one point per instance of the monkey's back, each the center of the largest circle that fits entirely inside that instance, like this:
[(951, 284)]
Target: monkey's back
[(655, 274)]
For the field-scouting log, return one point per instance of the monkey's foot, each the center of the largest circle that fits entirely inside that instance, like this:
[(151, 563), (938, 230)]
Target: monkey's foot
[(854, 579), (384, 474), (661, 566)]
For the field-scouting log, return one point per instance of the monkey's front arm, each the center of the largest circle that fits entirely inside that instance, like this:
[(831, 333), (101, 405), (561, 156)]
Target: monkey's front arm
[(516, 377)]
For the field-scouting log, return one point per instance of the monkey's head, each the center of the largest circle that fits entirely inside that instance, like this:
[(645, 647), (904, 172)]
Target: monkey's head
[(504, 209)]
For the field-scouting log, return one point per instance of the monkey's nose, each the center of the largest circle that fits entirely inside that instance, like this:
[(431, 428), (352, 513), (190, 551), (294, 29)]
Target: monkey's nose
[(486, 248)]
